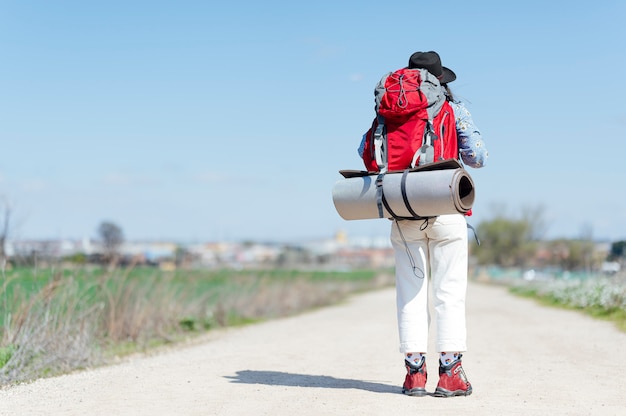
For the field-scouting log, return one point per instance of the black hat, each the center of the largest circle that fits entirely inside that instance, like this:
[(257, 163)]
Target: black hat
[(432, 63)]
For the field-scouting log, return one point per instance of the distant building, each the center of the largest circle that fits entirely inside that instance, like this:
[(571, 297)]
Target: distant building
[(339, 251)]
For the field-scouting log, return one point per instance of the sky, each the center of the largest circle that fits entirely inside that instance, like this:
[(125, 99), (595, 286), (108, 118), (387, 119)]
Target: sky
[(202, 121)]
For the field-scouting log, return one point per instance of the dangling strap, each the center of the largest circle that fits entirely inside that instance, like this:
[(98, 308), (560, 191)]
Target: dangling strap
[(475, 233)]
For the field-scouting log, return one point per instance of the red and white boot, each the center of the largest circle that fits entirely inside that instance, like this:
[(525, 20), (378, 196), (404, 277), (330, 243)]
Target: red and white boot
[(452, 380), (415, 380)]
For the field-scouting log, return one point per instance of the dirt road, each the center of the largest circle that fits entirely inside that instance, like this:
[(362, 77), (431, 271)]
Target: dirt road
[(524, 359)]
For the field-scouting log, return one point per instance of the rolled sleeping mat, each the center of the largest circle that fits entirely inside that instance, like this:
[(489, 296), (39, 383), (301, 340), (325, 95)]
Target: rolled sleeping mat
[(409, 194)]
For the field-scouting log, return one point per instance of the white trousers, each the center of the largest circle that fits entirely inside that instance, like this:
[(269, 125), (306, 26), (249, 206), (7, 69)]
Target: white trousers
[(434, 255)]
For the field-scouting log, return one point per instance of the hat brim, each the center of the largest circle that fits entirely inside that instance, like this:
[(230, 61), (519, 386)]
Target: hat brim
[(448, 75)]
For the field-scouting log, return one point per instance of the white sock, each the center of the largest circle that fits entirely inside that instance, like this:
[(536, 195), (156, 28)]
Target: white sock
[(446, 358), (414, 358)]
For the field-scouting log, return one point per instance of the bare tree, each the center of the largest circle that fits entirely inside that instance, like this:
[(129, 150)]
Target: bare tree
[(112, 238)]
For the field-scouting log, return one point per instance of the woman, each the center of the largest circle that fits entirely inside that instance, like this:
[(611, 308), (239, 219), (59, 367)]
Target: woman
[(435, 250)]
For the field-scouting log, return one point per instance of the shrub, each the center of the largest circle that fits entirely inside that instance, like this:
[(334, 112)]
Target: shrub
[(601, 297)]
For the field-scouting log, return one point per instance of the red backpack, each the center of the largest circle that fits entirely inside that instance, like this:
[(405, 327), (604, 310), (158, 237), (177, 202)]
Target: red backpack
[(414, 123)]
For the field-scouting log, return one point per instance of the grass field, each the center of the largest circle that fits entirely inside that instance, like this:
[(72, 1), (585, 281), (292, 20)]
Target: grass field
[(55, 319), (58, 319)]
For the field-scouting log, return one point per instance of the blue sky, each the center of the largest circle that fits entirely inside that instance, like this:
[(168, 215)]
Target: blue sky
[(203, 121)]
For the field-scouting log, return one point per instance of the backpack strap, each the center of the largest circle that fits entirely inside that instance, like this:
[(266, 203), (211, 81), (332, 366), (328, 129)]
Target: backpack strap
[(379, 195), (405, 198), (380, 145), (381, 201), (426, 152)]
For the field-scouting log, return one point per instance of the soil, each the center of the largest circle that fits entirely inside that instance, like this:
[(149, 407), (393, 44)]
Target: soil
[(523, 359)]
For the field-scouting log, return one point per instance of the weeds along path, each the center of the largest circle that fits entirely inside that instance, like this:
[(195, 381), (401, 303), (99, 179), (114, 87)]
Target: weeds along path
[(524, 359)]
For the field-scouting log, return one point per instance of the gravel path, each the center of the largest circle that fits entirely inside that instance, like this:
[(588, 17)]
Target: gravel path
[(524, 359)]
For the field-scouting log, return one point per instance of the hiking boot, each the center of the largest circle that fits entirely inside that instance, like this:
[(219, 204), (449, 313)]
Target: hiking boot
[(415, 380), (452, 380)]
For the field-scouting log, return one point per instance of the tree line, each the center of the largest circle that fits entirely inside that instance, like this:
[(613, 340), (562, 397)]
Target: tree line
[(510, 241), (505, 240)]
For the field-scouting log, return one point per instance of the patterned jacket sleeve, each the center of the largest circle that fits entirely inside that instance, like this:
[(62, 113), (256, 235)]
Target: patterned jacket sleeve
[(471, 146)]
